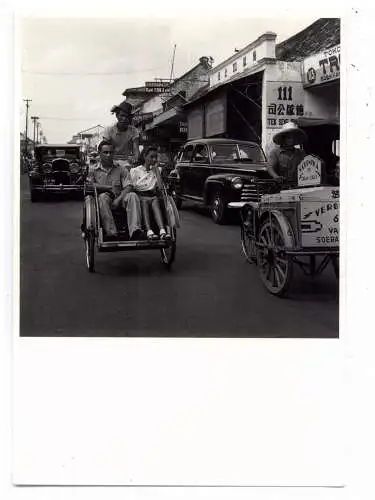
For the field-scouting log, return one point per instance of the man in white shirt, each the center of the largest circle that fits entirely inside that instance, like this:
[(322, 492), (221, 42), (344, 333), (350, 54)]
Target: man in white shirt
[(112, 182), (123, 135)]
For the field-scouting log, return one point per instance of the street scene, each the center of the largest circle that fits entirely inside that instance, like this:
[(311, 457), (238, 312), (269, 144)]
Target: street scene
[(205, 204)]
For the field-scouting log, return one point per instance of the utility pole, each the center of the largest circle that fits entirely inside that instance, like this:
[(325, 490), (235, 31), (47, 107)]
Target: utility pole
[(37, 132), (172, 65), (27, 120), (34, 119)]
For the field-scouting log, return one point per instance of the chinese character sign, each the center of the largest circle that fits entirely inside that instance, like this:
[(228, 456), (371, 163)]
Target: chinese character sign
[(285, 102)]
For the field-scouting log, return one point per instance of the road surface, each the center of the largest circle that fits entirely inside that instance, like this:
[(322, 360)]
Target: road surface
[(210, 292)]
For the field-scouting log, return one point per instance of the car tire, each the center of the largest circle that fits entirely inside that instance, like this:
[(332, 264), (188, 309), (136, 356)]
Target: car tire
[(34, 196), (218, 208)]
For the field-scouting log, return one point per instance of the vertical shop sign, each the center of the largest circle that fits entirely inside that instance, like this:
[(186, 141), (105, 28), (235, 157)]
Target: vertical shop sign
[(285, 102)]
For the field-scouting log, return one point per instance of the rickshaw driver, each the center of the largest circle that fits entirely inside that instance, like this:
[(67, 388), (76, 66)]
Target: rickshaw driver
[(112, 182), (123, 135), (285, 157)]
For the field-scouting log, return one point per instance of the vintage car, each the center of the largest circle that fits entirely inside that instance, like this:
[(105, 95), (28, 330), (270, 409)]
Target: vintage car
[(218, 172), (59, 168)]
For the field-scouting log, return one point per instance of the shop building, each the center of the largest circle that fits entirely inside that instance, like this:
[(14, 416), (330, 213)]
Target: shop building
[(251, 94), (162, 118), (89, 138)]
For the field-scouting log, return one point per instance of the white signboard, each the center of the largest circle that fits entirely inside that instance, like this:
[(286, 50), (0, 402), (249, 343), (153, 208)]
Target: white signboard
[(320, 220), (310, 171), (285, 102), (322, 67)]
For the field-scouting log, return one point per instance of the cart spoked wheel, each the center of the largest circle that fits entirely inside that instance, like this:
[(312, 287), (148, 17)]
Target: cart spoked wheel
[(248, 246), (275, 267), (336, 265), (168, 254), (90, 251)]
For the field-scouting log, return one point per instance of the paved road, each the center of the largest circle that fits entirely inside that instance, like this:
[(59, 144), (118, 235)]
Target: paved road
[(210, 292)]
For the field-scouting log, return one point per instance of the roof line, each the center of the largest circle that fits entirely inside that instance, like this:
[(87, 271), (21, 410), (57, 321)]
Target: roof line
[(268, 35)]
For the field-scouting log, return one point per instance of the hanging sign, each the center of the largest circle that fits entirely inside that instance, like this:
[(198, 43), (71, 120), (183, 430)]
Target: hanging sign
[(157, 87), (140, 118), (183, 127)]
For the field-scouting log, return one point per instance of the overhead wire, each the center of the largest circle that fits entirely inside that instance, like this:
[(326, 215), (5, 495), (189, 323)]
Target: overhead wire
[(89, 73)]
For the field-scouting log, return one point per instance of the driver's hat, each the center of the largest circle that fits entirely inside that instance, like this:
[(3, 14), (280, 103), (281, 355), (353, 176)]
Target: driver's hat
[(290, 129), (123, 106)]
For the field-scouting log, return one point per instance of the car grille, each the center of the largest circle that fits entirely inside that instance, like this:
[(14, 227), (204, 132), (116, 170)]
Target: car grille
[(253, 191)]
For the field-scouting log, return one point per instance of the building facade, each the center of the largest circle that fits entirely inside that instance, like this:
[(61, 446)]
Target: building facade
[(162, 118), (89, 138), (251, 94)]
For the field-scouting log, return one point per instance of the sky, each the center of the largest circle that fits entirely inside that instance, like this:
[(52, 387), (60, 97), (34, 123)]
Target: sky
[(74, 70)]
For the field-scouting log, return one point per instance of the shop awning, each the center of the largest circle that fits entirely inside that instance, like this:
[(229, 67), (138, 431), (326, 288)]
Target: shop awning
[(314, 122), (167, 117)]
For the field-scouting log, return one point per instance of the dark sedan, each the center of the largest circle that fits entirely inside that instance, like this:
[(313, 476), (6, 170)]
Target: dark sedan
[(221, 174), (59, 168)]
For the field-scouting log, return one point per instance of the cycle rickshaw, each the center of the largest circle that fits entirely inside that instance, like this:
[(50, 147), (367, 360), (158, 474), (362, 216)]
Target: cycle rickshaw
[(95, 239), (293, 227)]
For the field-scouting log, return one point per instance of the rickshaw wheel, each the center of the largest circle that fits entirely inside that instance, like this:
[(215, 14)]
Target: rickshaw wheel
[(90, 251), (248, 246), (177, 200), (275, 268), (168, 254)]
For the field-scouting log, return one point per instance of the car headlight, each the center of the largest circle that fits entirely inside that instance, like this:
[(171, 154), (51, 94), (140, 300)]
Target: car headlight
[(74, 168), (47, 168), (237, 183)]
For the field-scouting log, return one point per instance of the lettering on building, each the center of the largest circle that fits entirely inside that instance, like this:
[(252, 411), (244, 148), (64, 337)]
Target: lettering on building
[(323, 67), (285, 102)]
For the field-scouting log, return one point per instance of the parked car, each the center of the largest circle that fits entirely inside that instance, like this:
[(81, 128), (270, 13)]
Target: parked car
[(59, 168), (221, 174)]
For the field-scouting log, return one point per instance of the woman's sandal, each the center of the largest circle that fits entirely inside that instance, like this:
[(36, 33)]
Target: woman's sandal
[(164, 235), (151, 235)]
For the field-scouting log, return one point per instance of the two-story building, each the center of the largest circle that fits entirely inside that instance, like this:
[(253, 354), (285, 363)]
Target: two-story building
[(251, 94), (162, 117)]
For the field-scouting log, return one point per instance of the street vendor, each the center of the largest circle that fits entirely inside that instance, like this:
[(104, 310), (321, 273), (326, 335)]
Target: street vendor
[(113, 184), (123, 135), (285, 157)]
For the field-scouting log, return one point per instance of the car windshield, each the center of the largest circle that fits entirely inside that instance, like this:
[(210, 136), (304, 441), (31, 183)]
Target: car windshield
[(223, 153), (52, 153)]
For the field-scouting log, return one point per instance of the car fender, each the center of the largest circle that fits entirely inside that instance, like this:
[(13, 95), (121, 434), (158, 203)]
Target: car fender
[(284, 224), (211, 184)]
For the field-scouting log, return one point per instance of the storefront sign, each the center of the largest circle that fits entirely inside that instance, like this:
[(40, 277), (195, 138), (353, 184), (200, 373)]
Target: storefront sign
[(157, 87), (320, 221), (143, 118), (285, 102), (310, 171), (322, 67), (183, 127)]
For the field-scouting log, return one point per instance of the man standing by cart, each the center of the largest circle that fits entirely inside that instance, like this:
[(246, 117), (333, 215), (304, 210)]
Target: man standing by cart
[(123, 135), (285, 157)]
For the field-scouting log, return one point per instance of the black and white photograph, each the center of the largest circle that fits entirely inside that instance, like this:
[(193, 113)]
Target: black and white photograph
[(179, 186), (186, 296)]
